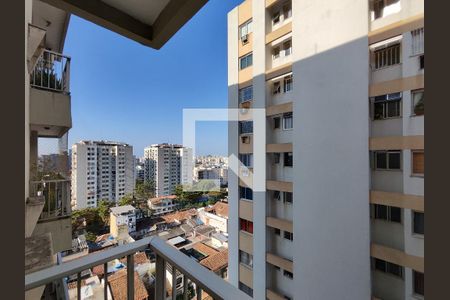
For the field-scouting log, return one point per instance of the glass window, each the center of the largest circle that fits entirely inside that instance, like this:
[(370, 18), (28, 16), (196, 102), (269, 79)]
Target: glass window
[(387, 56), (288, 274), (418, 102), (417, 41), (246, 61), (387, 267), (276, 158), (288, 197), (246, 258), (287, 48), (276, 89), (388, 160), (246, 94), (388, 213), (289, 235), (246, 159), (287, 121), (246, 289), (276, 18), (418, 222), (387, 106), (276, 52), (246, 225), (276, 195), (288, 83), (246, 193), (394, 160), (245, 127), (277, 231), (288, 159), (419, 283), (287, 11), (246, 28)]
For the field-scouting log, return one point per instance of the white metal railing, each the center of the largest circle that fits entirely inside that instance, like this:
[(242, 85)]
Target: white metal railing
[(51, 72), (192, 271), (57, 197)]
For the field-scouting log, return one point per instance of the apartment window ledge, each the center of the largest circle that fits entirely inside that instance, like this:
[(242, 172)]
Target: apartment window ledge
[(417, 55), (245, 199), (246, 232), (387, 118), (389, 274), (418, 236)]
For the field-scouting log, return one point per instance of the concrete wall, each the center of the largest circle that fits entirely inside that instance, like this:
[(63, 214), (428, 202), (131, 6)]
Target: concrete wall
[(61, 230), (387, 233), (331, 211), (387, 286)]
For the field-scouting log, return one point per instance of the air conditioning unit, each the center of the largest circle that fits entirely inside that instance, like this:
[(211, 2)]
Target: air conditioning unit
[(244, 38)]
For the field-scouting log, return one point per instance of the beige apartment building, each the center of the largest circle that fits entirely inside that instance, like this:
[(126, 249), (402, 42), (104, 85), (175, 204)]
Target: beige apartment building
[(342, 85)]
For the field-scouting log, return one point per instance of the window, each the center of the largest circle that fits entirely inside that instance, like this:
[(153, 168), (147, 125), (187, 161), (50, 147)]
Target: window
[(287, 46), (245, 139), (245, 29), (289, 235), (276, 52), (276, 158), (246, 159), (422, 61), (417, 41), (277, 231), (276, 122), (246, 225), (276, 195), (245, 127), (246, 61), (246, 94), (287, 197), (418, 222), (288, 159), (418, 105), (287, 11), (388, 213), (387, 267), (276, 89), (387, 160), (246, 289), (275, 18), (246, 193), (287, 121), (246, 259), (387, 106), (418, 167), (383, 8), (387, 56), (288, 274), (419, 283), (288, 83)]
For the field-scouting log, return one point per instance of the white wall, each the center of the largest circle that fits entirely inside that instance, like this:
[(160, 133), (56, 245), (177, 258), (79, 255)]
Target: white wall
[(331, 200)]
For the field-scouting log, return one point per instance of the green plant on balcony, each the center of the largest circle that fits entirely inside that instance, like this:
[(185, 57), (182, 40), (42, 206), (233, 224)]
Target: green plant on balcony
[(45, 76)]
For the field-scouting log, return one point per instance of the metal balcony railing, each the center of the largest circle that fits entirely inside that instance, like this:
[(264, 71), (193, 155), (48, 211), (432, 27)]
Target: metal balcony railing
[(51, 72), (202, 278), (57, 197)]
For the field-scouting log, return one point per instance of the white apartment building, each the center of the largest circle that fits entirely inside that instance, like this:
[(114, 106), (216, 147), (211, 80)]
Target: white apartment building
[(120, 216), (212, 173), (101, 170), (342, 85), (162, 205), (168, 165)]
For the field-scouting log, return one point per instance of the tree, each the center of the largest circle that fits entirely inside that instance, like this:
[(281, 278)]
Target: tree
[(103, 210), (126, 200), (145, 190)]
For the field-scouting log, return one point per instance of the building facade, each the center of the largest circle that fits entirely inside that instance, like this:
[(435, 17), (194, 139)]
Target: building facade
[(342, 212), (163, 205), (101, 170), (122, 216), (168, 165)]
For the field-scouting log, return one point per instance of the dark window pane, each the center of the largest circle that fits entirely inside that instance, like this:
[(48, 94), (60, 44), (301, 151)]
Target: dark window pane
[(380, 212), (288, 159), (396, 214), (393, 109), (380, 265), (276, 122), (419, 283), (394, 160), (419, 223), (394, 269), (277, 231), (378, 113), (288, 197), (381, 160)]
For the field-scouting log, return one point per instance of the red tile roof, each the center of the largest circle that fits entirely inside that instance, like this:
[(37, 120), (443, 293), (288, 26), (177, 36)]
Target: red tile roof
[(217, 261), (204, 249), (180, 215), (118, 285), (139, 258)]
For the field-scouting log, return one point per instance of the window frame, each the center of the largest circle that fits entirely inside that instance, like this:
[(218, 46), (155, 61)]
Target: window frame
[(385, 100), (288, 81), (413, 105), (417, 46), (247, 57), (388, 153), (242, 93), (414, 274), (246, 25), (276, 87), (285, 197), (412, 163), (376, 215), (277, 122), (413, 223), (246, 226), (285, 160), (388, 55), (285, 117), (246, 259), (387, 267)]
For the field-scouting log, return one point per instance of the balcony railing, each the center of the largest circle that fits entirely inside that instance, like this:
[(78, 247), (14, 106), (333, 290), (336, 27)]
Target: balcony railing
[(57, 197), (202, 278), (51, 72)]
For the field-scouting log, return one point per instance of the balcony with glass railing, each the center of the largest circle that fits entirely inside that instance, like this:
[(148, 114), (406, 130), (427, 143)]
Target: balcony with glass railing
[(193, 274)]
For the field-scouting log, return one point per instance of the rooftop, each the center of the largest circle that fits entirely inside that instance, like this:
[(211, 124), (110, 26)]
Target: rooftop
[(204, 249), (216, 261), (220, 209), (159, 199), (118, 210), (118, 285), (180, 216)]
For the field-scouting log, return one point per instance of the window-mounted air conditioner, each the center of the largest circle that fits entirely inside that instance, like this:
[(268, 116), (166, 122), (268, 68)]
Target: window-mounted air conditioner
[(244, 38)]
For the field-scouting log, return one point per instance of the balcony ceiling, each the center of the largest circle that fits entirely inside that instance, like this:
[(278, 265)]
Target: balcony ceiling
[(149, 22)]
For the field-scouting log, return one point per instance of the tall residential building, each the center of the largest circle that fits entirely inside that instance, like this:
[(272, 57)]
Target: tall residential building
[(168, 165), (101, 170), (342, 212)]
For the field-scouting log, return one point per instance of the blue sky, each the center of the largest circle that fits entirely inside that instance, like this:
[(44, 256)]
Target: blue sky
[(124, 91)]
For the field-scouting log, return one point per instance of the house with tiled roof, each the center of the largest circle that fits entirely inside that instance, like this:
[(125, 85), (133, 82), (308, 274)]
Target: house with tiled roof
[(217, 263), (215, 215), (163, 205), (118, 285)]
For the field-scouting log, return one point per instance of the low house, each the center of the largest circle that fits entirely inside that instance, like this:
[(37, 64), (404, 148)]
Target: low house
[(122, 215), (215, 215), (163, 205), (118, 286), (217, 263)]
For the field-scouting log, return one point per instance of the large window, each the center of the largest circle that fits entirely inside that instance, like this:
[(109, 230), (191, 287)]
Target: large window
[(418, 162), (246, 94), (245, 29), (246, 258), (418, 222), (387, 267), (276, 122), (288, 159), (418, 105), (419, 283), (387, 160), (246, 193), (387, 56), (246, 61), (387, 106), (289, 235), (288, 83), (387, 213), (287, 121), (383, 8), (245, 127), (246, 289), (246, 159), (246, 225), (417, 41), (288, 197)]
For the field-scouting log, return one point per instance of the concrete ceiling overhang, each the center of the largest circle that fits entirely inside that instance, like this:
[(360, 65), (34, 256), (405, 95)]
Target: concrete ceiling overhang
[(149, 22)]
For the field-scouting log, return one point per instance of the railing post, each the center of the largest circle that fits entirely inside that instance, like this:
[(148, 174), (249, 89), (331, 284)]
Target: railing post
[(160, 282), (130, 277), (198, 291), (185, 287), (174, 282), (105, 281), (79, 285)]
